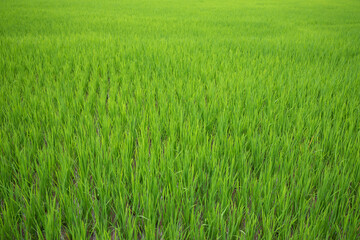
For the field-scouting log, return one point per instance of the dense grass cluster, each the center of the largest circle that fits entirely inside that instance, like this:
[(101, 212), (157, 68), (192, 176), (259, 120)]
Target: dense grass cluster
[(179, 119)]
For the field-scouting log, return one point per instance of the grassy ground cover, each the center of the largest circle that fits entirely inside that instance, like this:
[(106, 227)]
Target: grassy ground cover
[(179, 119)]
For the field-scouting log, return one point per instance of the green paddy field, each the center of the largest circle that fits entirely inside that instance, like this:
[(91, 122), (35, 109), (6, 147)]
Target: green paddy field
[(179, 119)]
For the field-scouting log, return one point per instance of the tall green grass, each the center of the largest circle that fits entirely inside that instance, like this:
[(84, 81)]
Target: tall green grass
[(179, 119)]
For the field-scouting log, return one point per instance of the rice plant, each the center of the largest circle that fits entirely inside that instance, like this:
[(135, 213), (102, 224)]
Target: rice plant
[(178, 119)]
